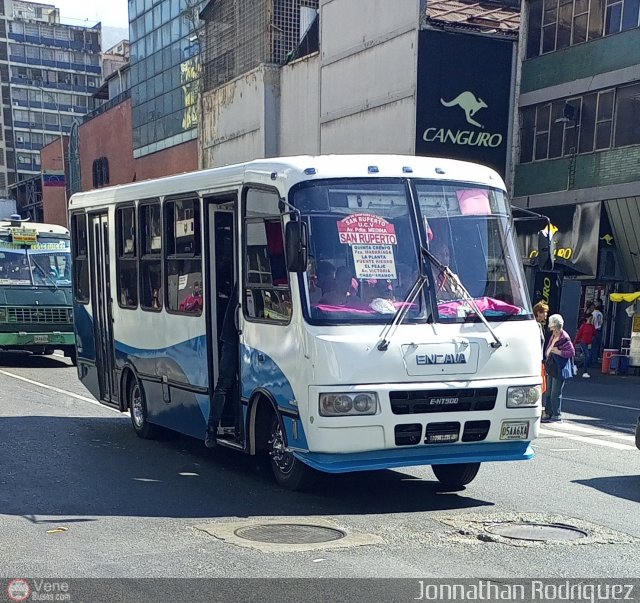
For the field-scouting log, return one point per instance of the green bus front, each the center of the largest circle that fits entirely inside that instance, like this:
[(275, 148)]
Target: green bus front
[(35, 289)]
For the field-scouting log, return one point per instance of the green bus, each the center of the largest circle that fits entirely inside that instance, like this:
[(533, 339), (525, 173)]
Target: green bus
[(35, 288)]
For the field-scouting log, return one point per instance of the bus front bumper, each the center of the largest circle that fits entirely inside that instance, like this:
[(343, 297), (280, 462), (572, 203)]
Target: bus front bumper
[(22, 339), (423, 455)]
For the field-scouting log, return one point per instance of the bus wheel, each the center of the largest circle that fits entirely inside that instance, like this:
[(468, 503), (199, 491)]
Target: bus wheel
[(289, 471), (138, 410), (455, 477)]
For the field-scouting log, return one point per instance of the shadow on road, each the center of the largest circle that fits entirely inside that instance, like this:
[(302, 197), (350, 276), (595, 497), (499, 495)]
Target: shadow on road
[(621, 486), (28, 360), (73, 467)]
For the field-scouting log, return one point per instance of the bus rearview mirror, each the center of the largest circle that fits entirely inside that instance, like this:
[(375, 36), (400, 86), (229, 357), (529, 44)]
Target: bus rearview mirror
[(296, 244)]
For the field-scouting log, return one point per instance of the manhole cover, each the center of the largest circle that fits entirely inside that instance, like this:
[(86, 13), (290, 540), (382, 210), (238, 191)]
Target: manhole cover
[(289, 533), (535, 531)]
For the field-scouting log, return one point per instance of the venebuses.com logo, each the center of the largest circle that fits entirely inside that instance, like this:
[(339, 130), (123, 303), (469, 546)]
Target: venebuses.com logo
[(18, 590)]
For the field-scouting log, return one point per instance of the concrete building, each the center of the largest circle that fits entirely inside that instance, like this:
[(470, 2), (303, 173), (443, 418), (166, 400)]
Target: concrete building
[(358, 76), (577, 149), (49, 73)]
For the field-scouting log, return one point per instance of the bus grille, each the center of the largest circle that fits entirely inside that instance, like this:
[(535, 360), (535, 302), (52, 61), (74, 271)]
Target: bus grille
[(39, 315), (443, 400)]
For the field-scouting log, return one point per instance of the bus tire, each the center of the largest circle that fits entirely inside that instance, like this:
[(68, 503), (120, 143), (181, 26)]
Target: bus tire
[(456, 476), (290, 472), (138, 409)]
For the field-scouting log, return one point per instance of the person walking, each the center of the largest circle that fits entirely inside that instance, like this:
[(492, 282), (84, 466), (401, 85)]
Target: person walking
[(559, 352), (583, 341), (598, 321)]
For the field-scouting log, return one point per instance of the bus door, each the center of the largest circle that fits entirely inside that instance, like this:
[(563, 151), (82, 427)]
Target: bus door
[(221, 270), (101, 306)]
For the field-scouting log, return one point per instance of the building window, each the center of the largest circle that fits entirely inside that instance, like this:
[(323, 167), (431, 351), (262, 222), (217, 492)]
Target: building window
[(100, 172), (580, 124), (80, 258), (266, 281), (151, 256), (557, 24), (127, 257), (183, 278), (627, 129)]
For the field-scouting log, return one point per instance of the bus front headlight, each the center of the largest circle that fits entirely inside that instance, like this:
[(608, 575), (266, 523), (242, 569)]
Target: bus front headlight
[(348, 404), (523, 396), (3, 315)]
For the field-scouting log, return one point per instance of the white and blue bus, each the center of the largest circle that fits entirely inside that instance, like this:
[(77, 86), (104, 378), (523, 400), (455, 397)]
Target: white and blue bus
[(382, 315)]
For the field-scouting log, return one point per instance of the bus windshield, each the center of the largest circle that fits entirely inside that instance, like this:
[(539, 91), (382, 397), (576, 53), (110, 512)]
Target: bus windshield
[(47, 262), (364, 251), (469, 231)]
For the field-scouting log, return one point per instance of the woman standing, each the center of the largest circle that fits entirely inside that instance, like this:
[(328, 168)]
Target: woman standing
[(558, 352)]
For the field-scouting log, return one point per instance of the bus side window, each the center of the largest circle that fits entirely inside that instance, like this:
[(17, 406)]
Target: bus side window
[(266, 281), (127, 259), (183, 276), (80, 258), (150, 256)]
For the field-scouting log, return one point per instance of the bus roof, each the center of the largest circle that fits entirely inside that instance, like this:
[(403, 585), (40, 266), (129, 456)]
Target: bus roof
[(292, 170), (41, 228)]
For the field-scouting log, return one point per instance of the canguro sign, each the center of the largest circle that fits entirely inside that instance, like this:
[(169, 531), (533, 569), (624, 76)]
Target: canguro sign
[(463, 98)]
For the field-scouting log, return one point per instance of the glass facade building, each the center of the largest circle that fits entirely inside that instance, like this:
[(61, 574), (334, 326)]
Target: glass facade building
[(165, 72)]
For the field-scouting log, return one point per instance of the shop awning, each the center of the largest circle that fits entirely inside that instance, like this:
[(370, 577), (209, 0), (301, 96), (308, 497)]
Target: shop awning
[(574, 230), (625, 297)]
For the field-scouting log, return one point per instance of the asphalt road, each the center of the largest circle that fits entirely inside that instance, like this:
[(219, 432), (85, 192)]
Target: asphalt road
[(82, 497)]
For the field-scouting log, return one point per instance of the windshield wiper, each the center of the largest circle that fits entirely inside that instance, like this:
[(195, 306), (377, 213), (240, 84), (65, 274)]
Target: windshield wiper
[(461, 291), (401, 312), (46, 276)]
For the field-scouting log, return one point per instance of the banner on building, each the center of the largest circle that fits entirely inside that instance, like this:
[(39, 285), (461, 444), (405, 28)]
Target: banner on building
[(53, 178), (464, 89), (546, 288), (574, 234)]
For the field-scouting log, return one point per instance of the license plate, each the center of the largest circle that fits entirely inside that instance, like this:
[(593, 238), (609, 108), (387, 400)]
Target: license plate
[(514, 430), (40, 339)]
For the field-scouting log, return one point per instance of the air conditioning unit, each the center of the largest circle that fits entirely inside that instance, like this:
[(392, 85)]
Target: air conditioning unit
[(19, 139)]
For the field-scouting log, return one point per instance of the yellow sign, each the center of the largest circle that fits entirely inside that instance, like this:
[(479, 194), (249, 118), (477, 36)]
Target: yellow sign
[(24, 236), (636, 324)]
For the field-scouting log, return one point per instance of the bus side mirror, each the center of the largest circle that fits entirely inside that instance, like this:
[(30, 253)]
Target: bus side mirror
[(296, 245)]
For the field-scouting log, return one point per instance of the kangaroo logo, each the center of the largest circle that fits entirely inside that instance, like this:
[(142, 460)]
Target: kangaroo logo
[(468, 102)]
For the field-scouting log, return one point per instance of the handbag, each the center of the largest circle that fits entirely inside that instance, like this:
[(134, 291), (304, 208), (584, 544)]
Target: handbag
[(569, 369), (551, 366)]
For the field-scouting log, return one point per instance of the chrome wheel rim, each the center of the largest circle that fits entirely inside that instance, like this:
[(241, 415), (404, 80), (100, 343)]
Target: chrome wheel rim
[(137, 411), (280, 456)]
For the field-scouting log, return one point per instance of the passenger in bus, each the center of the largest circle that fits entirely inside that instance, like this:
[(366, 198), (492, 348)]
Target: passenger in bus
[(343, 292), (193, 303), (445, 279), (227, 369), (322, 282)]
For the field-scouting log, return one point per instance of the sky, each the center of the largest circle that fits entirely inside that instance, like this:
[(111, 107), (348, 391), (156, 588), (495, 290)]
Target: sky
[(112, 13)]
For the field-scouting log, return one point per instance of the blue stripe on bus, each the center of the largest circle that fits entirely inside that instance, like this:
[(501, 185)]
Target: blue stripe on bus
[(260, 371), (422, 455)]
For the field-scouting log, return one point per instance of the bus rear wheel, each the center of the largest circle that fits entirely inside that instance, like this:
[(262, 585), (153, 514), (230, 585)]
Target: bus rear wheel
[(289, 472), (456, 476), (138, 410)]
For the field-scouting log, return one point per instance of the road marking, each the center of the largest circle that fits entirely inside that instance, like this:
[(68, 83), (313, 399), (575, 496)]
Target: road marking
[(58, 390), (602, 403), (593, 431), (586, 439)]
